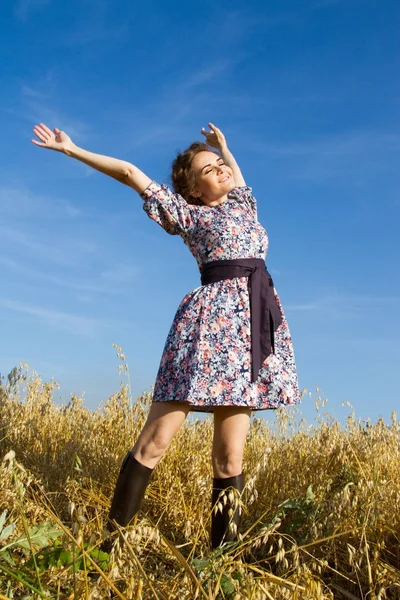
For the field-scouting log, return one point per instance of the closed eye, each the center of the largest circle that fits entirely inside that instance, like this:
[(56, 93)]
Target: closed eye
[(220, 163)]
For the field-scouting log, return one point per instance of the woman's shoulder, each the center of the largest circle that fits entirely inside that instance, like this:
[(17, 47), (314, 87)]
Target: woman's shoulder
[(169, 209), (240, 190), (244, 195)]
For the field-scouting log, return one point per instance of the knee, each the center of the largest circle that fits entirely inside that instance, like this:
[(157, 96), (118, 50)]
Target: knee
[(227, 463), (152, 448)]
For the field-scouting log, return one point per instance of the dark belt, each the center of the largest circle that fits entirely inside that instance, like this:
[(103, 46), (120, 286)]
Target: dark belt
[(265, 313)]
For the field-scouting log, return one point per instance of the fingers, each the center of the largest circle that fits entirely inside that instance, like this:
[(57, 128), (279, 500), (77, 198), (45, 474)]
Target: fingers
[(43, 130), (46, 129), (39, 134), (38, 143), (42, 134), (45, 135), (215, 137), (213, 128), (209, 135)]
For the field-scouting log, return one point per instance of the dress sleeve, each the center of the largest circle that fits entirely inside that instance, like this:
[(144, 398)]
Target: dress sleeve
[(244, 195), (169, 210)]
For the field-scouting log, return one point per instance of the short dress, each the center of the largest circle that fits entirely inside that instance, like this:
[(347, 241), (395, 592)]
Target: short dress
[(206, 360)]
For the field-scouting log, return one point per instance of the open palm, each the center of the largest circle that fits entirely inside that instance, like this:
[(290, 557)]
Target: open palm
[(53, 140)]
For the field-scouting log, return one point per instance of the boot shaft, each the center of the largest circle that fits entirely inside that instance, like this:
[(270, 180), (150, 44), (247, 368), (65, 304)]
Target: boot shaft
[(225, 518), (129, 490)]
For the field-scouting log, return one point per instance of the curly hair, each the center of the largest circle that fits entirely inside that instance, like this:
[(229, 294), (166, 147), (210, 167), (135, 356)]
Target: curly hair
[(182, 175)]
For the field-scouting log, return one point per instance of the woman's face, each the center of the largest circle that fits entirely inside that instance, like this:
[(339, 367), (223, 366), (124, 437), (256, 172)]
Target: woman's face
[(213, 178)]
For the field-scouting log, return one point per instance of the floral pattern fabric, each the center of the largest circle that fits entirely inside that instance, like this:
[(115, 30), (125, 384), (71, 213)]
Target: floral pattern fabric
[(207, 355)]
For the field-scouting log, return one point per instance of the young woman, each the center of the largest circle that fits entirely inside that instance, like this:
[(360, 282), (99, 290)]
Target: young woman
[(229, 349)]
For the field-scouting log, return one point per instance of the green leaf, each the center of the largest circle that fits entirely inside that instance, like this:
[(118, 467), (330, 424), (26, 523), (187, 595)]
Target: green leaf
[(6, 557), (39, 536), (200, 563), (7, 531), (57, 556), (101, 558), (310, 496), (290, 504), (50, 557), (2, 519), (227, 586), (237, 576)]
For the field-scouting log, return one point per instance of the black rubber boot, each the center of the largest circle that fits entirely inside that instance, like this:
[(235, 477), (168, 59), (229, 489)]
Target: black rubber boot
[(221, 531), (129, 490)]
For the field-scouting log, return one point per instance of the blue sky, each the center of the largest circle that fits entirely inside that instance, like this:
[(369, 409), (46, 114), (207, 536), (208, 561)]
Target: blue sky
[(308, 95)]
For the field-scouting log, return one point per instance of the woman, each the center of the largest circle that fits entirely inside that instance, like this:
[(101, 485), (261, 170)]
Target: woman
[(229, 349)]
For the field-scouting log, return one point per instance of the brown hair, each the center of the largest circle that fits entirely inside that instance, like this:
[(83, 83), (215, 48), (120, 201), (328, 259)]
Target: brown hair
[(182, 175)]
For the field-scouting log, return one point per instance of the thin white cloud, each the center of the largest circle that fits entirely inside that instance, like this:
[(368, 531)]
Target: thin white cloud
[(61, 251), (74, 324), (6, 262), (161, 131), (302, 307), (208, 74), (175, 103), (23, 8), (33, 112), (122, 273), (18, 201), (95, 33), (38, 248), (230, 28), (335, 304), (346, 144), (31, 92), (358, 155), (79, 286), (41, 102), (110, 281), (98, 28), (84, 298), (54, 117)]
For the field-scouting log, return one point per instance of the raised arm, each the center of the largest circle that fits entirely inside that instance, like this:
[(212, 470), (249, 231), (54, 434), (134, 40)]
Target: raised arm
[(118, 169), (216, 139)]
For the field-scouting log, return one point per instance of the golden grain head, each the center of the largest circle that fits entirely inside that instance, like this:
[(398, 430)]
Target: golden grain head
[(321, 505)]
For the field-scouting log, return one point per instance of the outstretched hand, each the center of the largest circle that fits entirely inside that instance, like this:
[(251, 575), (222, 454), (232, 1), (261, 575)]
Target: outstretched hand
[(53, 140), (215, 137)]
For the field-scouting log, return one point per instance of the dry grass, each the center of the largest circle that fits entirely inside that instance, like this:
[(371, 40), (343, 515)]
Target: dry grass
[(321, 508)]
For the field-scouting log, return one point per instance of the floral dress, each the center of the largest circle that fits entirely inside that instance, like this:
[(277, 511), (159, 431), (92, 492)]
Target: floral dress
[(207, 355)]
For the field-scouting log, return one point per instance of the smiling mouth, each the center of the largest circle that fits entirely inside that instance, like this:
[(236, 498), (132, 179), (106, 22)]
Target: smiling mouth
[(225, 178)]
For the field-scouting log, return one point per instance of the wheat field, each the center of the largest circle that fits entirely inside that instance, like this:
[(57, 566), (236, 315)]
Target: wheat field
[(320, 510)]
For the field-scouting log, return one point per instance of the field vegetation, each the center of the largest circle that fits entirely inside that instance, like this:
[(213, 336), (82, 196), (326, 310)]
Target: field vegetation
[(321, 507)]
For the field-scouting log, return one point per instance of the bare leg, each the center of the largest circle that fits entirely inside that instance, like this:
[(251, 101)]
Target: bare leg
[(231, 425), (163, 422)]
